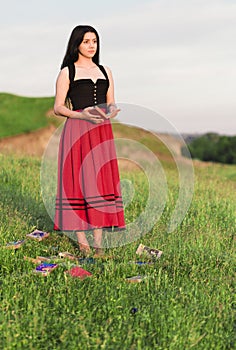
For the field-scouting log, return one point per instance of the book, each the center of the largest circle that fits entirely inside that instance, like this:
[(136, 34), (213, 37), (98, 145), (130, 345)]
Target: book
[(79, 272), (154, 253), (68, 255), (40, 259), (141, 263), (38, 235), (45, 268), (15, 244), (86, 260), (47, 258), (135, 279), (33, 260)]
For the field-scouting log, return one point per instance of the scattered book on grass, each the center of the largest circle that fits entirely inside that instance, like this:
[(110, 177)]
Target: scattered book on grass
[(135, 279), (38, 235), (86, 260), (33, 260), (154, 253), (79, 272), (47, 258), (68, 255), (40, 259), (45, 268), (15, 244), (134, 310), (141, 263)]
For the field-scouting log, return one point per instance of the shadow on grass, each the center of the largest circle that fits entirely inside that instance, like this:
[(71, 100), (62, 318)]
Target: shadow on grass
[(20, 191)]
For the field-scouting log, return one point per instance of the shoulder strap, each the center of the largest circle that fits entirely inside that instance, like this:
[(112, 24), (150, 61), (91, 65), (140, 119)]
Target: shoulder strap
[(104, 71), (71, 68)]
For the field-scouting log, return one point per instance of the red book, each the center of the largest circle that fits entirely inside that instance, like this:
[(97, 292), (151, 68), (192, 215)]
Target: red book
[(78, 271)]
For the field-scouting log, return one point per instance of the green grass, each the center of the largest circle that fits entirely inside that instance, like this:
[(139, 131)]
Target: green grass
[(20, 115), (185, 303)]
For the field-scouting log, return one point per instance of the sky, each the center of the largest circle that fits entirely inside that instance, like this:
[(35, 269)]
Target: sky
[(174, 57)]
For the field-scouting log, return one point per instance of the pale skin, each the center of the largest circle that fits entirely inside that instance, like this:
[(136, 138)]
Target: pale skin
[(85, 68)]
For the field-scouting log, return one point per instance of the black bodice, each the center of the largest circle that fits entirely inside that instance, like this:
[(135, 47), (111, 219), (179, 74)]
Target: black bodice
[(85, 93)]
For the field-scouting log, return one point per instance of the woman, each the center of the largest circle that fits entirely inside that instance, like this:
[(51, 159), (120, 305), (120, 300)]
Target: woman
[(88, 192)]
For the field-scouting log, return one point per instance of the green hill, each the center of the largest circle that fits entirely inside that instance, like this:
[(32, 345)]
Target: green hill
[(20, 115)]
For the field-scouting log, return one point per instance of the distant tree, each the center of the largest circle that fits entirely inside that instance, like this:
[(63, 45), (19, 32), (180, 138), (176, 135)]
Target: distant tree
[(213, 147)]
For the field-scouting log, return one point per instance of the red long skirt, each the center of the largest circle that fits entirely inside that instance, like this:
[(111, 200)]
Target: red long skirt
[(88, 191)]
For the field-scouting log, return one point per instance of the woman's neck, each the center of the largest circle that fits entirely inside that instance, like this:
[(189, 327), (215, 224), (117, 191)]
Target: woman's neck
[(85, 63)]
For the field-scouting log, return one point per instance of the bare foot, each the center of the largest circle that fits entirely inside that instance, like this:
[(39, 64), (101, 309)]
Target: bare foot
[(99, 252), (85, 249)]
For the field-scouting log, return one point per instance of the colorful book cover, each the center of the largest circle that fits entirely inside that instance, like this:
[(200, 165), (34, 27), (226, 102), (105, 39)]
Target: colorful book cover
[(68, 255), (40, 259), (37, 234), (155, 253), (45, 268), (135, 279), (78, 271), (47, 258), (86, 260), (141, 263), (33, 260), (15, 244)]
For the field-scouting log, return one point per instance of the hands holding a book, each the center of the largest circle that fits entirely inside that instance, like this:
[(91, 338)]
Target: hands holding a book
[(98, 115)]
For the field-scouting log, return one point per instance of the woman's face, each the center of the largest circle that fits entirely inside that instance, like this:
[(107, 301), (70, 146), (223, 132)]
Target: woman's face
[(88, 47)]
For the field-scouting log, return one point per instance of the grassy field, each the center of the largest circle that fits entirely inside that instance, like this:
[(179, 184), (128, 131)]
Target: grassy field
[(186, 301)]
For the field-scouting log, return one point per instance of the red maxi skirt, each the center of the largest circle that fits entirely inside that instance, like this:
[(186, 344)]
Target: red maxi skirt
[(88, 190)]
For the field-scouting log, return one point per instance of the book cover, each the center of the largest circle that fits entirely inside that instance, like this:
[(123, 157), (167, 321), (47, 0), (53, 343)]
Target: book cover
[(68, 255), (155, 253), (79, 272), (135, 279), (15, 244), (47, 258), (45, 268), (33, 260), (86, 260), (141, 263), (38, 235)]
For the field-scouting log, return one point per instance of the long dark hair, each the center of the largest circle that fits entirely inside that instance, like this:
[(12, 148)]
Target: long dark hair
[(76, 38)]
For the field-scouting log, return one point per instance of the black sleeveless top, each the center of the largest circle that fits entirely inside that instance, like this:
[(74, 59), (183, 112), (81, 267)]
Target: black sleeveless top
[(84, 92)]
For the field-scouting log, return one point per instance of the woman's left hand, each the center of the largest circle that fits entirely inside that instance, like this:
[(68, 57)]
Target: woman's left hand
[(113, 111)]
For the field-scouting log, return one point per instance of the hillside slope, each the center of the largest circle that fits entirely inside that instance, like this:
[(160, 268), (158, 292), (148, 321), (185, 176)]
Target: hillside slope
[(19, 115), (28, 123)]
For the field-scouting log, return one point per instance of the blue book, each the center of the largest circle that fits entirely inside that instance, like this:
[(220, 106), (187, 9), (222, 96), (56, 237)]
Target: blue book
[(38, 235), (45, 268), (15, 244)]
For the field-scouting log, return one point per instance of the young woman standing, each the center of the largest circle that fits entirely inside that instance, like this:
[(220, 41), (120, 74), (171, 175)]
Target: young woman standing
[(88, 192)]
